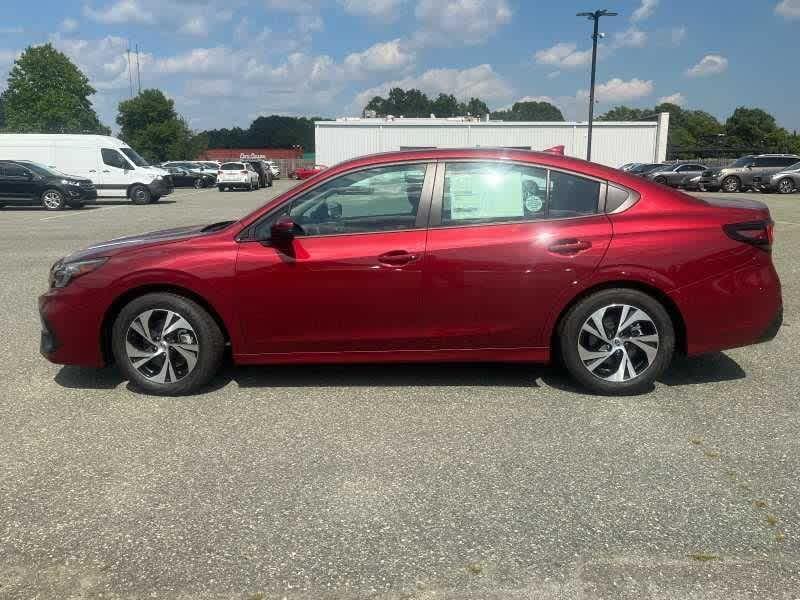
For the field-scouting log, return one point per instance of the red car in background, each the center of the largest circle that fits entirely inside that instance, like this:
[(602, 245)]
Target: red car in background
[(429, 255), (306, 172)]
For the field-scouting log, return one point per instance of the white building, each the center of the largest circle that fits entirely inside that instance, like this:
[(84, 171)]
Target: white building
[(614, 143)]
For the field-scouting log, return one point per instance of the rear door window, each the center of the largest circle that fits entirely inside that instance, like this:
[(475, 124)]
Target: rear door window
[(13, 170)]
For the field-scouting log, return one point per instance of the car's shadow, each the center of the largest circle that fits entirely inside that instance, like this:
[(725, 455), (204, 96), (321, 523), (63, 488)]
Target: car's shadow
[(88, 207), (710, 368)]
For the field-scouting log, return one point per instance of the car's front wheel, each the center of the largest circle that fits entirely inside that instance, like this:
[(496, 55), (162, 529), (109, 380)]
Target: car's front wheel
[(617, 341), (53, 200), (166, 344), (731, 184), (139, 194), (786, 185)]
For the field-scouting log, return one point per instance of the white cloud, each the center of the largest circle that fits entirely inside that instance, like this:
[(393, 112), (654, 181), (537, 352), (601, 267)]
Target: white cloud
[(645, 10), (307, 24), (382, 10), (788, 9), (69, 25), (104, 60), (122, 11), (209, 87), (710, 64), (452, 22), (195, 26), (676, 98), (678, 35), (382, 57), (480, 81), (618, 90), (563, 55), (295, 6), (630, 38), (553, 74)]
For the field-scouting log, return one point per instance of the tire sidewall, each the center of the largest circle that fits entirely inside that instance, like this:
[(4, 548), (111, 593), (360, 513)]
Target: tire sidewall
[(137, 198), (209, 336), (577, 315), (791, 189), (62, 203), (731, 178)]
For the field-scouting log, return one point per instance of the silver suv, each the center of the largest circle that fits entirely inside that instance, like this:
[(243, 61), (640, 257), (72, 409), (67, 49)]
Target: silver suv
[(747, 172)]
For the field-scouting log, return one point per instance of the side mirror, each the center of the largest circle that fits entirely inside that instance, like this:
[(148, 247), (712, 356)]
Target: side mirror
[(751, 165), (284, 230)]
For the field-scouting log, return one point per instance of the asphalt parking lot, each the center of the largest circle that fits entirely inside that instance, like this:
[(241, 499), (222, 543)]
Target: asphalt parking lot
[(388, 482)]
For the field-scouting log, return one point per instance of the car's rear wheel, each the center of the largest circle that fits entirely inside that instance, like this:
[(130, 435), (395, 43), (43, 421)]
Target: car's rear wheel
[(167, 344), (731, 184), (786, 185), (617, 341), (53, 200), (198, 183)]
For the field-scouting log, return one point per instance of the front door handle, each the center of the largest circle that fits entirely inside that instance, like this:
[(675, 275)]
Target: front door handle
[(570, 246), (397, 258)]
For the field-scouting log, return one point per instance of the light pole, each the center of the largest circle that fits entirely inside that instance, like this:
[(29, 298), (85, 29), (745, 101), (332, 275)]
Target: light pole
[(593, 16)]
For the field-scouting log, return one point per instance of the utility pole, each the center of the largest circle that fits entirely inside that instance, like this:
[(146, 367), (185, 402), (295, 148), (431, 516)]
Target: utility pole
[(130, 73), (593, 16), (138, 72)]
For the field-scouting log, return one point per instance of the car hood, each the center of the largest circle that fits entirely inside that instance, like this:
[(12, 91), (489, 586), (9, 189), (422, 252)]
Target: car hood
[(122, 244), (785, 173)]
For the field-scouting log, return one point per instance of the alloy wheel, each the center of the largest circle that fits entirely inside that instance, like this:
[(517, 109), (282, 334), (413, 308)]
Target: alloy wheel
[(162, 346), (618, 342), (731, 184), (52, 200), (786, 186)]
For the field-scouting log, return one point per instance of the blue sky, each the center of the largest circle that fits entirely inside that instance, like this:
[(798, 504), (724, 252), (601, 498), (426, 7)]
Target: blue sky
[(225, 62)]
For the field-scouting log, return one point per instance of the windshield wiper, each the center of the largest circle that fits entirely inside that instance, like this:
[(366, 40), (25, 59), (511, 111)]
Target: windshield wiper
[(216, 226)]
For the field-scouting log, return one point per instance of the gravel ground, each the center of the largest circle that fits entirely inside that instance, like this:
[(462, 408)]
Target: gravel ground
[(387, 482)]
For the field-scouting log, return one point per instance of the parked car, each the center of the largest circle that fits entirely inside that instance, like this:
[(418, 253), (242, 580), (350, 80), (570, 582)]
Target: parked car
[(786, 181), (264, 174), (196, 179), (629, 166), (234, 175), (675, 175), (429, 255), (644, 168), (746, 171), (115, 169), (306, 172), (29, 183), (192, 166), (274, 169)]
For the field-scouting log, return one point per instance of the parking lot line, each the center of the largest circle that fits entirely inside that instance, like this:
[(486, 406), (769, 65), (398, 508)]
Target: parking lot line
[(787, 223), (75, 213)]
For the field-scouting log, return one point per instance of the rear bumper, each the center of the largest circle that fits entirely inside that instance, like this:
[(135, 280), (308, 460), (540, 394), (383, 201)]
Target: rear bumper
[(738, 308)]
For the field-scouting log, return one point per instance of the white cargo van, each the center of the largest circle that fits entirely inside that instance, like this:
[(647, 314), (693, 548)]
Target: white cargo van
[(115, 168)]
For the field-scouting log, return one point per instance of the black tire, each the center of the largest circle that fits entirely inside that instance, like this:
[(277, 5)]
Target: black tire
[(154, 199), (197, 183), (569, 338), (210, 340), (139, 194), (786, 186), (77, 205), (731, 184), (221, 188), (53, 199)]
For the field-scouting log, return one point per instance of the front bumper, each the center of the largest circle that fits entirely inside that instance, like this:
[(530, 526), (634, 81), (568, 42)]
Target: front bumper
[(79, 194), (71, 327), (161, 187)]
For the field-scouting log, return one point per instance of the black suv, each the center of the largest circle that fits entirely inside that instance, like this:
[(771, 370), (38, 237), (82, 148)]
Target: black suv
[(26, 182), (746, 172), (264, 173)]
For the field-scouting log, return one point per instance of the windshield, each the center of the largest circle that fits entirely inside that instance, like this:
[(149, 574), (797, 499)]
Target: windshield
[(794, 167), (42, 170), (134, 158), (210, 165), (232, 167)]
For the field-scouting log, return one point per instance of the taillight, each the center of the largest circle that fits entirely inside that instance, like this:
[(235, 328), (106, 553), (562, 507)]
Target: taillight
[(756, 233), (243, 172)]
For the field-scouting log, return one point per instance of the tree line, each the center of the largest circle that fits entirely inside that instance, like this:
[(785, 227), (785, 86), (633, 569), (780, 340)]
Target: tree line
[(48, 93)]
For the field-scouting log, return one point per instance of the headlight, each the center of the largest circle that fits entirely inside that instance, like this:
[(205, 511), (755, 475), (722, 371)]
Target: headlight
[(69, 182), (158, 178), (62, 273)]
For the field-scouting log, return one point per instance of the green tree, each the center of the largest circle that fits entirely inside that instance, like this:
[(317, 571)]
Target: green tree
[(150, 124), (624, 113), (445, 106), (756, 128), (47, 93), (475, 107), (529, 111)]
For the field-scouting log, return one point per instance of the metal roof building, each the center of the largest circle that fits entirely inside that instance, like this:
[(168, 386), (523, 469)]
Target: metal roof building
[(614, 143)]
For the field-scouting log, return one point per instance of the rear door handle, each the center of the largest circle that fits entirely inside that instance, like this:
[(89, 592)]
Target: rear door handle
[(397, 258), (570, 246)]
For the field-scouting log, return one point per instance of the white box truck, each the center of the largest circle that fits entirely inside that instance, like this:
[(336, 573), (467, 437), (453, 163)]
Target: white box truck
[(113, 166)]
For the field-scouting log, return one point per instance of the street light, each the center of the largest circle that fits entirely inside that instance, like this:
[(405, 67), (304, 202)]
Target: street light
[(593, 16)]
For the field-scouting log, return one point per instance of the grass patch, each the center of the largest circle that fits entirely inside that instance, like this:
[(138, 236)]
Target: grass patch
[(779, 536), (772, 520), (703, 557), (474, 568), (760, 504), (711, 454), (696, 441)]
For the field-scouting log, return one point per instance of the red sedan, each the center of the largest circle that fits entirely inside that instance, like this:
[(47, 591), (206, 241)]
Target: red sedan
[(306, 172), (430, 255)]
